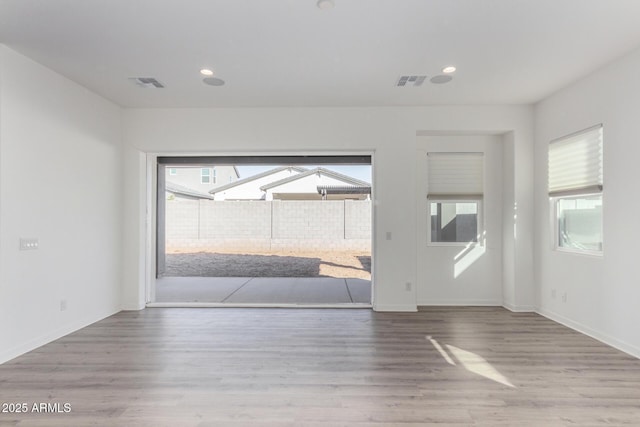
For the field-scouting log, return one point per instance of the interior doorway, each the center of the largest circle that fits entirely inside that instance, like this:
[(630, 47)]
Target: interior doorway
[(264, 231)]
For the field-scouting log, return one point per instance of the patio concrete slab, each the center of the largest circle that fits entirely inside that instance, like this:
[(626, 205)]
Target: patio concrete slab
[(360, 290), (263, 290), (292, 290), (197, 289)]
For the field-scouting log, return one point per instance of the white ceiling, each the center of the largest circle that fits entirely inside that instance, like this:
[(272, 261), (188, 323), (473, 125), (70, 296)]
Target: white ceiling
[(290, 53)]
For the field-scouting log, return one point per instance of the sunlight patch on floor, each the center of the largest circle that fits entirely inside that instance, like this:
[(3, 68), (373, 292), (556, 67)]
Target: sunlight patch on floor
[(470, 361), (477, 364)]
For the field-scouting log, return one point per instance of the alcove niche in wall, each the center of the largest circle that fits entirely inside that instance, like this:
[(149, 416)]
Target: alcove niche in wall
[(480, 270)]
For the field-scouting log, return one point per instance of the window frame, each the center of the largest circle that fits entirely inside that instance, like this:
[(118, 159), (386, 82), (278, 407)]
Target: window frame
[(591, 187), (479, 221), (202, 175), (555, 218)]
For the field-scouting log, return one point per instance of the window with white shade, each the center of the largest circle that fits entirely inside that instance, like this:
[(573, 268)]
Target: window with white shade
[(455, 182), (575, 190)]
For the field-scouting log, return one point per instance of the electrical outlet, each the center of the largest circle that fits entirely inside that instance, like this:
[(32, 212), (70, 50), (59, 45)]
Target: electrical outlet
[(407, 286), (63, 305), (388, 235), (28, 244), (553, 293), (564, 297)]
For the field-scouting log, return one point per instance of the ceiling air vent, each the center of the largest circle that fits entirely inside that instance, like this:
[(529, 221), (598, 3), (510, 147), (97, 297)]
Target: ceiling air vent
[(410, 81), (147, 82)]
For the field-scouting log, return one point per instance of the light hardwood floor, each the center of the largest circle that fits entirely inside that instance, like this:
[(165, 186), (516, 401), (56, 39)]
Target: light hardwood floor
[(322, 367)]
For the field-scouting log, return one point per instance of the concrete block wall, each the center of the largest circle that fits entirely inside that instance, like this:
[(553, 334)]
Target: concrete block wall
[(219, 245), (357, 219), (320, 245), (308, 219), (182, 219), (274, 225), (235, 220)]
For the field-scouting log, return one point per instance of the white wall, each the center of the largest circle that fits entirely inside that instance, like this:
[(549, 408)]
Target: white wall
[(60, 182), (135, 264), (602, 292), (455, 275), (509, 232), (389, 132)]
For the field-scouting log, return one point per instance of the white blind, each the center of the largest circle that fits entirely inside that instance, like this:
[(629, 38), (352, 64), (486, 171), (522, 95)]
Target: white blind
[(575, 163), (457, 175)]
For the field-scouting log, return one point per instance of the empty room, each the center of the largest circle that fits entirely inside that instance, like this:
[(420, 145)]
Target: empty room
[(498, 262)]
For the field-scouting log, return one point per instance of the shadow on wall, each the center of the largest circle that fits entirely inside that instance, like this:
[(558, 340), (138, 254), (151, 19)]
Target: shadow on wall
[(206, 264)]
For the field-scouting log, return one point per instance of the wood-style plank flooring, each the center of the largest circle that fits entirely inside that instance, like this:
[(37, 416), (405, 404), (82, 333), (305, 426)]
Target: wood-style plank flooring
[(324, 367)]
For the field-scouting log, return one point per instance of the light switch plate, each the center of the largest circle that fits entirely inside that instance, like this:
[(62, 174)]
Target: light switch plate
[(28, 244)]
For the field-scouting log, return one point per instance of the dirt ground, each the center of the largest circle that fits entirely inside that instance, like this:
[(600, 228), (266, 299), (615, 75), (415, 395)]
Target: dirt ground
[(269, 264)]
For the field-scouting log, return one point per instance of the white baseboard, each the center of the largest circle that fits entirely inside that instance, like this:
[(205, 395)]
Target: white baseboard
[(462, 302), (41, 340), (395, 307), (133, 307), (613, 342), (519, 308)]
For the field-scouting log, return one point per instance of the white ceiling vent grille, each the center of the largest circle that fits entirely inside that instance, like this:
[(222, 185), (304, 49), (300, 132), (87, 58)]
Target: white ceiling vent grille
[(147, 82), (410, 81)]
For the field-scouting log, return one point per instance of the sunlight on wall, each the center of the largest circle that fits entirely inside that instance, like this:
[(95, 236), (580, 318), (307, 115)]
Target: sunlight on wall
[(515, 220), (470, 254), (470, 361)]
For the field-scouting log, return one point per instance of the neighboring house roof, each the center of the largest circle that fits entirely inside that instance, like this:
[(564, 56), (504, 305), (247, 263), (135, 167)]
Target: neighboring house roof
[(327, 172), (179, 189), (254, 177), (188, 166), (344, 189)]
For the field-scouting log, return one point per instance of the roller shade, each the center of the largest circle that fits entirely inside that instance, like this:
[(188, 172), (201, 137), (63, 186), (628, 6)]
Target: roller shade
[(455, 175), (575, 163)]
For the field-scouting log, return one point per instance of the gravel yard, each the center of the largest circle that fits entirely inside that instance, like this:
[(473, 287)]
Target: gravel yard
[(269, 264)]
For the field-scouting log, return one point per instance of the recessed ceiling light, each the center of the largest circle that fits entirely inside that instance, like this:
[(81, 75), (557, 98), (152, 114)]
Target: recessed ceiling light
[(206, 72), (448, 70), (325, 4)]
